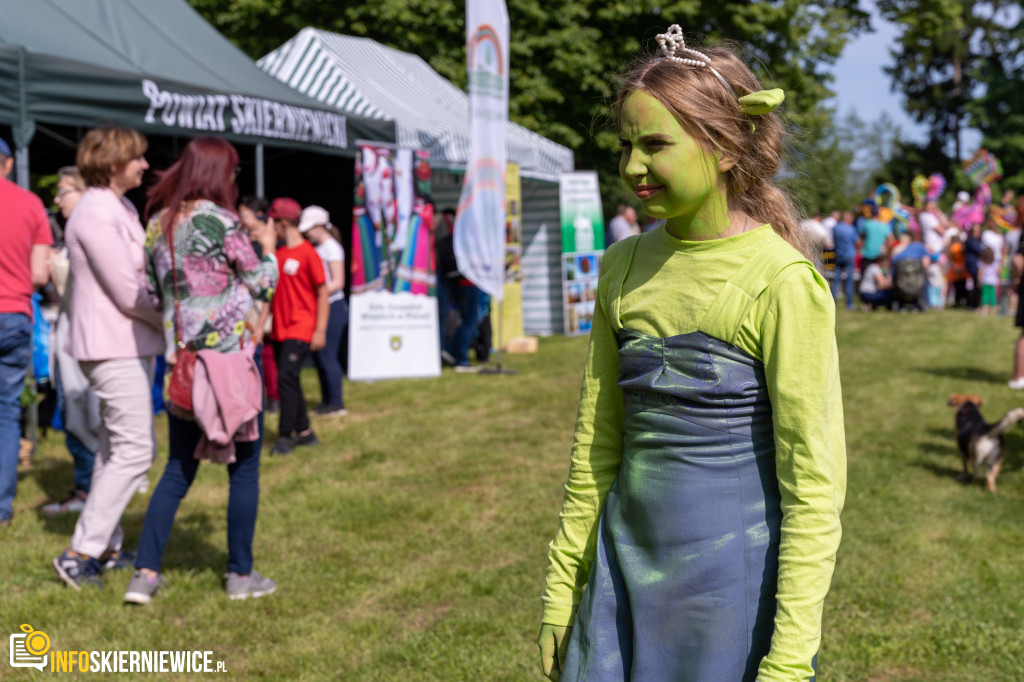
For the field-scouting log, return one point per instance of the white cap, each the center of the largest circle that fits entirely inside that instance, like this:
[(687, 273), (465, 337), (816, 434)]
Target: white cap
[(963, 196), (313, 216)]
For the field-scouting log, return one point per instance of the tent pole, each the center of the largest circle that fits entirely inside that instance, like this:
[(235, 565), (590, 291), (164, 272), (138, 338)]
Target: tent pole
[(21, 164), (260, 190)]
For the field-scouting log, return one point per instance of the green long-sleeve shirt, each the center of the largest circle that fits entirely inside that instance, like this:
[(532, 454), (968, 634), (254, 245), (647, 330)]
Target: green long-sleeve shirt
[(790, 328)]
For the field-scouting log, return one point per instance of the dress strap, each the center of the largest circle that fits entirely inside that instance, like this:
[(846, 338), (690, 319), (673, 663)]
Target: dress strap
[(618, 279), (727, 312)]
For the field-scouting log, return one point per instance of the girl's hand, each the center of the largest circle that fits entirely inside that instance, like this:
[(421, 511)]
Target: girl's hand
[(553, 642)]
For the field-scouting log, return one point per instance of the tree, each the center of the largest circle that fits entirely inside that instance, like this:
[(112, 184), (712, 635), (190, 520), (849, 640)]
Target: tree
[(565, 56), (944, 54), (999, 115)]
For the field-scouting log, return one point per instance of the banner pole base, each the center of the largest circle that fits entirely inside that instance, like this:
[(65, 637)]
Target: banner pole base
[(498, 369)]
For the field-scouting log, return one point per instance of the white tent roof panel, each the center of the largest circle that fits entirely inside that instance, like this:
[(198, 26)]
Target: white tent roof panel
[(363, 77)]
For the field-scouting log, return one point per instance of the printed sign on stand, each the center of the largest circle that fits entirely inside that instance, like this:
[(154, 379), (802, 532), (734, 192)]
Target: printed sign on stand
[(393, 336)]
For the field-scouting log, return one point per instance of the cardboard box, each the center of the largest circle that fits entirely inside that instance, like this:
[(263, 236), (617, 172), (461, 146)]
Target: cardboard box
[(521, 344)]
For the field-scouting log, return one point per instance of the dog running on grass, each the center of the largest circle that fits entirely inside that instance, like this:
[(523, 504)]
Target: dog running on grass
[(980, 443)]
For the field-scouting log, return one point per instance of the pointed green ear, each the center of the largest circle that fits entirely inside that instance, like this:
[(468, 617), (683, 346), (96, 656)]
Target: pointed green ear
[(761, 102)]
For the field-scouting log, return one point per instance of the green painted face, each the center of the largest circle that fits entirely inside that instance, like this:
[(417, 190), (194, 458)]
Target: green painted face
[(674, 178)]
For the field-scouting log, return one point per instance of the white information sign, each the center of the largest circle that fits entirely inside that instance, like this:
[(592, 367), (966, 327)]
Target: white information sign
[(393, 336)]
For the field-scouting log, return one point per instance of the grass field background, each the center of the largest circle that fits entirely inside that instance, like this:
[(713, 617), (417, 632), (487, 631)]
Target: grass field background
[(410, 545)]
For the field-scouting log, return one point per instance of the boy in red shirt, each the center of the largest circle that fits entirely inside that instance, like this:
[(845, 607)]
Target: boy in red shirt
[(300, 320)]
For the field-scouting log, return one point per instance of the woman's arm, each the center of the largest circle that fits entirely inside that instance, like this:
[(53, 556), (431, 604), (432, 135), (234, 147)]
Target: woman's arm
[(110, 263), (802, 371), (259, 275), (883, 280), (337, 277)]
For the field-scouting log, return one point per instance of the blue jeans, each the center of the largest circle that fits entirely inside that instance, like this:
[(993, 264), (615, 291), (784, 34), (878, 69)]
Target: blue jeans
[(844, 268), (243, 497), (328, 364), (84, 459), (467, 302), (15, 352)]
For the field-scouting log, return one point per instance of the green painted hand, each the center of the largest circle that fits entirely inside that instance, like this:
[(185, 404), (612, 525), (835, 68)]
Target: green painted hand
[(553, 641)]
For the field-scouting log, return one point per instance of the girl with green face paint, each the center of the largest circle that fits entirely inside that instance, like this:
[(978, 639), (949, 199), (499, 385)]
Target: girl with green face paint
[(700, 522), (675, 179)]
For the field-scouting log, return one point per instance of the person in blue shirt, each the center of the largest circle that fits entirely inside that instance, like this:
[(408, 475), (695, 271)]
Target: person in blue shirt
[(874, 233), (908, 247), (847, 241)]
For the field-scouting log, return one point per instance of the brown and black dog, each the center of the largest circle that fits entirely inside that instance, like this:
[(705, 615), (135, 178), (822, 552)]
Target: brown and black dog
[(980, 443)]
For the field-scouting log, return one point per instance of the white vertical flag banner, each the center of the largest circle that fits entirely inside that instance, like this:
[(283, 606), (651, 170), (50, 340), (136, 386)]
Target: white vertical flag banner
[(480, 219)]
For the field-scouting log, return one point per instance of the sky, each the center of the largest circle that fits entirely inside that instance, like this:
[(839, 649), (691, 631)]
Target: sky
[(862, 86)]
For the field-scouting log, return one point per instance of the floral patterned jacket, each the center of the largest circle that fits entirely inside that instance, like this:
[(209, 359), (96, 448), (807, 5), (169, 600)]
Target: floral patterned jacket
[(219, 276)]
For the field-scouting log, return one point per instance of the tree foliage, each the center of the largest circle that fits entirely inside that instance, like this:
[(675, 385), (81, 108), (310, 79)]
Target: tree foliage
[(566, 56), (948, 51), (999, 115)]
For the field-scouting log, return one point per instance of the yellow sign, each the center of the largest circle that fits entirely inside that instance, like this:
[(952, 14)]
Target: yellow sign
[(511, 322)]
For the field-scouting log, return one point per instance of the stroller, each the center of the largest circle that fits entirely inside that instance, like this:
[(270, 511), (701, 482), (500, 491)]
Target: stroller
[(909, 278)]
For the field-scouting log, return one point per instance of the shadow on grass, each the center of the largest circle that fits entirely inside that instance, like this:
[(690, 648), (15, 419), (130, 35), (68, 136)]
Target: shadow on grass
[(965, 373), (188, 548), (940, 471)]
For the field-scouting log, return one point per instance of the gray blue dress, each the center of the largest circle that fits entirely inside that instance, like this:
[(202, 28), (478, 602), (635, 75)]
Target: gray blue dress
[(682, 586)]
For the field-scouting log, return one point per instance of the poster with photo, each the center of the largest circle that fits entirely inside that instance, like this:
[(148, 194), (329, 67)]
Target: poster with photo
[(582, 248), (579, 290)]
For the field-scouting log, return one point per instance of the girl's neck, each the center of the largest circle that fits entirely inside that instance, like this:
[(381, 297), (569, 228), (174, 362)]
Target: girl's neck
[(716, 223)]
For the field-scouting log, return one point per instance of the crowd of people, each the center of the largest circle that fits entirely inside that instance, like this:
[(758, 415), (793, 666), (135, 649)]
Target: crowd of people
[(924, 258), (231, 295)]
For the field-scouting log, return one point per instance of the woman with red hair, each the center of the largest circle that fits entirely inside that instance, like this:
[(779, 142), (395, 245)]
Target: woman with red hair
[(207, 288)]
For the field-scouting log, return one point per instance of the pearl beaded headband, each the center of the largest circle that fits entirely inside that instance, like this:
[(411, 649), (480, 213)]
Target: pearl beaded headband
[(673, 47), (755, 104)]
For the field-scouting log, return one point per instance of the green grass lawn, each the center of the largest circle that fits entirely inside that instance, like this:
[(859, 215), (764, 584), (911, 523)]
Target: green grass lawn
[(410, 545)]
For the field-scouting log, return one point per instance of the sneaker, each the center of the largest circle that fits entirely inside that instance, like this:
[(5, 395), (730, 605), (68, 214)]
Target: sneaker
[(309, 439), (73, 504), (77, 571), (142, 588), (117, 559), (447, 358), (1017, 383), (330, 411), (245, 586), (283, 446), (468, 369)]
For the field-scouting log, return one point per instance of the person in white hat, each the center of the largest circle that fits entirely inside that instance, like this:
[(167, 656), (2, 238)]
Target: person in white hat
[(315, 226), (962, 199)]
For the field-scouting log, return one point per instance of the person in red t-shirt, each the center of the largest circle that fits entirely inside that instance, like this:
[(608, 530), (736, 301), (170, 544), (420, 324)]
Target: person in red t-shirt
[(300, 321), (25, 241)]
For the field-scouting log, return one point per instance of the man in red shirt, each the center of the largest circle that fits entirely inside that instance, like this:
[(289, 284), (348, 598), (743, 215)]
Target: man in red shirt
[(300, 320), (25, 241)]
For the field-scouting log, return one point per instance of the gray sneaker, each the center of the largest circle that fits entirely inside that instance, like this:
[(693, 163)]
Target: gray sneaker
[(142, 588), (72, 504), (245, 586)]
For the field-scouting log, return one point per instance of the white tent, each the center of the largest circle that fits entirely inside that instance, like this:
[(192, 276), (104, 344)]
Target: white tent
[(363, 77)]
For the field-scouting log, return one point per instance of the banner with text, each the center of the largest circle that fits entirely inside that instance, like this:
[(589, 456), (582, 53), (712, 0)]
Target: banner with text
[(393, 336), (511, 322), (479, 236)]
